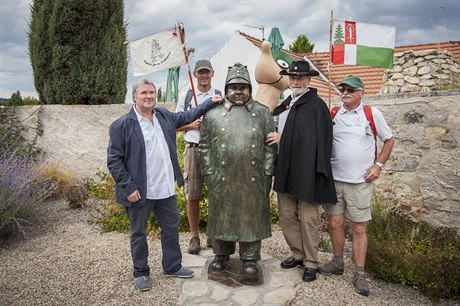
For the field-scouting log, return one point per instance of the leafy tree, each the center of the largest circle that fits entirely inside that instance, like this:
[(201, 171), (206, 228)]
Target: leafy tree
[(77, 51), (16, 98), (301, 45), (159, 95)]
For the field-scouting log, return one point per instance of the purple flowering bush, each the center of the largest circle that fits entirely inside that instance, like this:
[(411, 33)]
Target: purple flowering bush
[(21, 184)]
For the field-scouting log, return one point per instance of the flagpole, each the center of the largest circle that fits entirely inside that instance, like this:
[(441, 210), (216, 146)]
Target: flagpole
[(330, 58), (187, 64)]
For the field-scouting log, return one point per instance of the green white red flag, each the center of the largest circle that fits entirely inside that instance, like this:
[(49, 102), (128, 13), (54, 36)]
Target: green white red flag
[(362, 44)]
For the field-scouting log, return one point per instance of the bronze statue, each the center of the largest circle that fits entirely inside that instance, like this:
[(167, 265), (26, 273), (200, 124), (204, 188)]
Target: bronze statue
[(238, 166)]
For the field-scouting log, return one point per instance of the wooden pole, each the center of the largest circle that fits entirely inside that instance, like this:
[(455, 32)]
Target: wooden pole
[(331, 22), (187, 64)]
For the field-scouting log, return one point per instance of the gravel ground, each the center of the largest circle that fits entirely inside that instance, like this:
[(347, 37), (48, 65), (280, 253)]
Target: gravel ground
[(67, 260)]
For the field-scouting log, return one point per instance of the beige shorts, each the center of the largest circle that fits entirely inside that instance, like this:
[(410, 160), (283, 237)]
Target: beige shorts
[(353, 200), (193, 180)]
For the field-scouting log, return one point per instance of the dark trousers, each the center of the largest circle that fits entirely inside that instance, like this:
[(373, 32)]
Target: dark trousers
[(248, 250), (167, 215)]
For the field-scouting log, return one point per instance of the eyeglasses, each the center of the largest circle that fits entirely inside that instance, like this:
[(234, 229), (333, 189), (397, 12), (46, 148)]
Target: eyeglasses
[(349, 89)]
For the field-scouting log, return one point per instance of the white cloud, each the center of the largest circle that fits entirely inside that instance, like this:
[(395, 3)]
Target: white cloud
[(209, 24)]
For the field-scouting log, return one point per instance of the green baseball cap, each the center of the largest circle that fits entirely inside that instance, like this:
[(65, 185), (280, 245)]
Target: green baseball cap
[(352, 81)]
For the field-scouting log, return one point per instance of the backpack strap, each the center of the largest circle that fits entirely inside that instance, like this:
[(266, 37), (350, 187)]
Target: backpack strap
[(189, 97), (334, 111), (370, 118), (188, 100)]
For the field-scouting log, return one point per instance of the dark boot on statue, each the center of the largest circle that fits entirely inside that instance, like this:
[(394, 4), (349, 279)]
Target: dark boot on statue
[(250, 269), (219, 263)]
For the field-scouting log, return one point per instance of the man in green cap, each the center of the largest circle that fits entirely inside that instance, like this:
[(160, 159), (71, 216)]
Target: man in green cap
[(355, 165)]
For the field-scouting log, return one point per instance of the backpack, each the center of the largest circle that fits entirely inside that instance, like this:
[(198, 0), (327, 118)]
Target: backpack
[(189, 97), (369, 117)]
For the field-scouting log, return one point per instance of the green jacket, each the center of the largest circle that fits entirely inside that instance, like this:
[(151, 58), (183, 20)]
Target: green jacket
[(238, 166)]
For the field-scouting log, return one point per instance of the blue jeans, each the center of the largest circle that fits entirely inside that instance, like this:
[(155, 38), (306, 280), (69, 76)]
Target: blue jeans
[(167, 215)]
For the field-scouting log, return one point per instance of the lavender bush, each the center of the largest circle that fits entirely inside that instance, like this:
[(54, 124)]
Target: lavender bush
[(21, 185)]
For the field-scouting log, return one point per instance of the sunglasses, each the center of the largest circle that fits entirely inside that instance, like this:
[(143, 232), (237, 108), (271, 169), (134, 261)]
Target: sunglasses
[(348, 89)]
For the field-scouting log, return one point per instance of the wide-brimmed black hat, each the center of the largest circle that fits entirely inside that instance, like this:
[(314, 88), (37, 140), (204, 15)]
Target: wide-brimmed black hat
[(300, 68)]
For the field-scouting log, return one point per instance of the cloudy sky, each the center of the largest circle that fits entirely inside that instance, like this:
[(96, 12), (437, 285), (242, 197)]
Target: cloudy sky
[(209, 24)]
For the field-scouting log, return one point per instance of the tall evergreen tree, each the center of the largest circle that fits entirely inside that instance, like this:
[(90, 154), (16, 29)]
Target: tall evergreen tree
[(77, 51), (301, 45)]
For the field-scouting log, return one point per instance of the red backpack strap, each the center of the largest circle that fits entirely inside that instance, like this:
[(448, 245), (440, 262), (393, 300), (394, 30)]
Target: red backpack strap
[(334, 111), (370, 118)]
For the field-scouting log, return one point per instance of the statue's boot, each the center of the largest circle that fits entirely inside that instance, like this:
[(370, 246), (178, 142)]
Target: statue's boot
[(250, 269), (219, 263)]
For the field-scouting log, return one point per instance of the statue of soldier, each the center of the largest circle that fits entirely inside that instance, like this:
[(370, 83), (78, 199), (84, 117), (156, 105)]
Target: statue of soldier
[(238, 166)]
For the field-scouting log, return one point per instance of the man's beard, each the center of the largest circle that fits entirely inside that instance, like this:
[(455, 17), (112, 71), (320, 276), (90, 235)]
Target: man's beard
[(297, 91)]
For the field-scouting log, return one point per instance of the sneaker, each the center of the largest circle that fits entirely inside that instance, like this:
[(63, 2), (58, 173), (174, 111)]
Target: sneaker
[(182, 273), (330, 268), (142, 283), (194, 246), (360, 283)]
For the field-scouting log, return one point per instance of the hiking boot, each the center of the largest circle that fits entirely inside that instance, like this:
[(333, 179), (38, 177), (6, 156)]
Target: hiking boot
[(194, 246), (142, 283), (330, 268), (209, 243), (360, 283)]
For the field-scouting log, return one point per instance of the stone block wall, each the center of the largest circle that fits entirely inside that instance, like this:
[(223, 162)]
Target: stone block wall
[(422, 71), (422, 175)]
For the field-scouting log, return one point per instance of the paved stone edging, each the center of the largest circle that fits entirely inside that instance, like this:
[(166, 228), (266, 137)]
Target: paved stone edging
[(279, 286)]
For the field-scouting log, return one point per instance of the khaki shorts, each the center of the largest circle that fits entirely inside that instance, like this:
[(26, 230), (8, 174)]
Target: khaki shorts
[(193, 180), (353, 200)]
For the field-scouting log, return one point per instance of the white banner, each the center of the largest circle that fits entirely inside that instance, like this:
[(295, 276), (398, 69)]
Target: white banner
[(156, 52)]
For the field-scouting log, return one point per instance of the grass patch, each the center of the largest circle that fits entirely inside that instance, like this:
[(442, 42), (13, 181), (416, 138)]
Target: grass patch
[(413, 253)]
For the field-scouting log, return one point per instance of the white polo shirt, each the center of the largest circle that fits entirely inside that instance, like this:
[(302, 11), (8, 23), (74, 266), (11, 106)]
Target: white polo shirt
[(353, 146), (160, 172)]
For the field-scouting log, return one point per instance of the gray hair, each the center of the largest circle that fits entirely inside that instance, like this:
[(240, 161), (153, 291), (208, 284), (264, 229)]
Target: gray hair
[(138, 84)]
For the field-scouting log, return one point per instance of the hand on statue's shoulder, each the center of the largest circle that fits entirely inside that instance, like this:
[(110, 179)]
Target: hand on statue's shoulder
[(217, 99)]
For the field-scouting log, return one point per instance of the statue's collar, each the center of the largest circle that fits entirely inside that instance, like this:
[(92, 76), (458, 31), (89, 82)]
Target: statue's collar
[(249, 105)]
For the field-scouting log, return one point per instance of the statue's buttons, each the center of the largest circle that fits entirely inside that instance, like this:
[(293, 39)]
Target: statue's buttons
[(223, 145), (253, 179), (223, 129), (253, 146), (223, 163), (223, 179)]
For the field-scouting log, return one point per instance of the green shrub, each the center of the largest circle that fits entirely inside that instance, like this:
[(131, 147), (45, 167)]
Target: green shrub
[(113, 216), (415, 254)]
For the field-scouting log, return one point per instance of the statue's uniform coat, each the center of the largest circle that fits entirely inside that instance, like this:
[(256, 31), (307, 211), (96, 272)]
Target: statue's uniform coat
[(238, 166)]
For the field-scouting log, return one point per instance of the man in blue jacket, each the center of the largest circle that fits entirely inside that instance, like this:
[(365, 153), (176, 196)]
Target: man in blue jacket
[(142, 158)]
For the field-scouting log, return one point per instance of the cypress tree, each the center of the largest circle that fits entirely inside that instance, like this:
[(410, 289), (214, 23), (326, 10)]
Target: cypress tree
[(84, 51)]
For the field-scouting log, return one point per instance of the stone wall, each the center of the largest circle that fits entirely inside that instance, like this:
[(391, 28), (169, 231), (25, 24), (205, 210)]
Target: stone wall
[(421, 177), (422, 71)]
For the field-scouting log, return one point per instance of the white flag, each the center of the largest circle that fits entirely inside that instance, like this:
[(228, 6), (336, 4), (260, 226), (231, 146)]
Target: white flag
[(156, 52)]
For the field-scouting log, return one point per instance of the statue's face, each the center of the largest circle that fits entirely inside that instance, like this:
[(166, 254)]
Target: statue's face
[(238, 93)]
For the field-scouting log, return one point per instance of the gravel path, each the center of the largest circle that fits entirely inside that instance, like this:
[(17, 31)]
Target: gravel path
[(67, 260)]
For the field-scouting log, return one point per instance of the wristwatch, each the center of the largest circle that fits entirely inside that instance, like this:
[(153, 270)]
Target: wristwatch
[(380, 165)]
